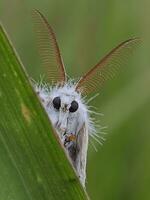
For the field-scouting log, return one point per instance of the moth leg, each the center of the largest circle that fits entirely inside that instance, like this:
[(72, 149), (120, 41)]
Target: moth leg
[(77, 147)]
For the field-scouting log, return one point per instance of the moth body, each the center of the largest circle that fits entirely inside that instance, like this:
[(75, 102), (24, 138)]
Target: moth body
[(63, 100), (71, 121)]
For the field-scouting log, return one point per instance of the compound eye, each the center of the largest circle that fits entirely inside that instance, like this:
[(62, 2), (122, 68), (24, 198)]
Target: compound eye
[(74, 106), (57, 102)]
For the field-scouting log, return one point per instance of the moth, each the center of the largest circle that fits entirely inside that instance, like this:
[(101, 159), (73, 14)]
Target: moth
[(63, 99)]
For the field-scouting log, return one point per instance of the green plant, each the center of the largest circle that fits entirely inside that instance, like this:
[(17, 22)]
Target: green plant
[(33, 164)]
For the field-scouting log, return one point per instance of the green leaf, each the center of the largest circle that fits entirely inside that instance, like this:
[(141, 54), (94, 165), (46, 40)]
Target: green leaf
[(33, 165)]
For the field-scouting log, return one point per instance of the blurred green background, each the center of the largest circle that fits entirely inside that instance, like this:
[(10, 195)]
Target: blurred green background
[(86, 30)]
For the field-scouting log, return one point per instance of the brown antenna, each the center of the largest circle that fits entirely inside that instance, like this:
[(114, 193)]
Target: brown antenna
[(107, 67), (49, 50)]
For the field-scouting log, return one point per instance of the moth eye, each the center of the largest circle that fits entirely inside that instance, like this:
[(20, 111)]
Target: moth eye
[(74, 106), (57, 102)]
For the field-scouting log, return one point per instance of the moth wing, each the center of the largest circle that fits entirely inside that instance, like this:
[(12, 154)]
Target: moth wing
[(48, 49), (81, 159), (107, 67)]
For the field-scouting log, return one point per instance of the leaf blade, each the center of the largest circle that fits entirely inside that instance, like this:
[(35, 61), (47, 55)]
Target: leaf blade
[(34, 165)]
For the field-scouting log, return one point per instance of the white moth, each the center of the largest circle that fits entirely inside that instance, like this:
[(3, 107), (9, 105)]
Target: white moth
[(63, 99)]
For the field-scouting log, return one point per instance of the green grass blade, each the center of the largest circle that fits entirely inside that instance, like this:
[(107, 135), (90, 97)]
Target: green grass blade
[(33, 166)]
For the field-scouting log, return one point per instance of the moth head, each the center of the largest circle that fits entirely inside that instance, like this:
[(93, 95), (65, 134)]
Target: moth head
[(65, 104)]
